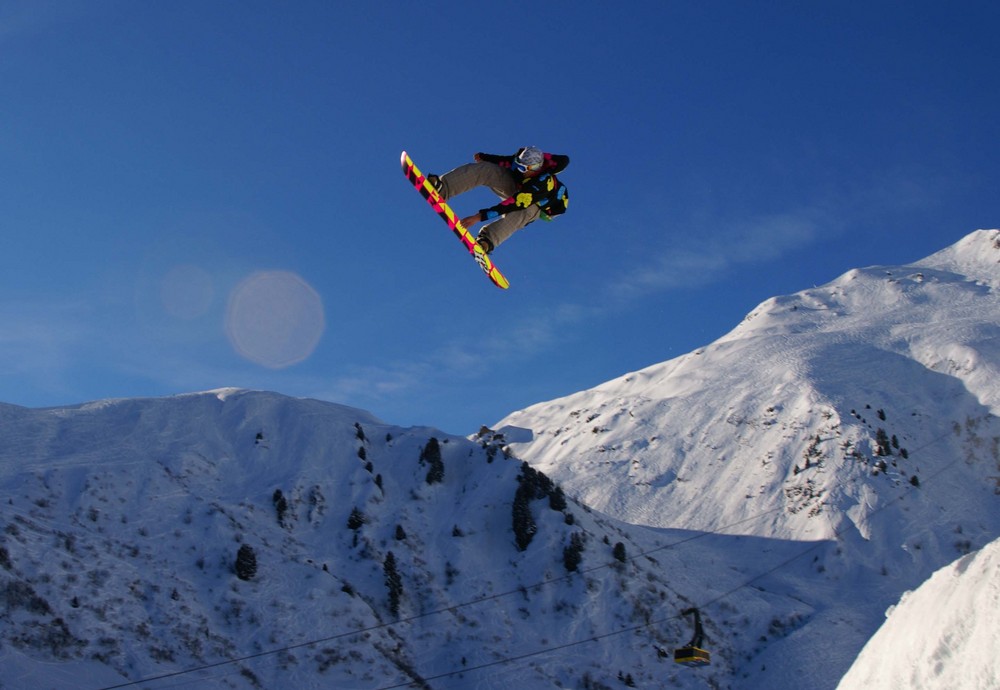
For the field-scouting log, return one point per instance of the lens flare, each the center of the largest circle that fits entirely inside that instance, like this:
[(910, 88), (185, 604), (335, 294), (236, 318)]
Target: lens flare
[(275, 319)]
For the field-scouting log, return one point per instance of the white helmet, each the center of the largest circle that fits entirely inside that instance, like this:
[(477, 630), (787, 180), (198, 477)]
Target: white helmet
[(528, 159)]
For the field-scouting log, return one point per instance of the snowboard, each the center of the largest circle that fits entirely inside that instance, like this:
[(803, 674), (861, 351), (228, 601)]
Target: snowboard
[(425, 188)]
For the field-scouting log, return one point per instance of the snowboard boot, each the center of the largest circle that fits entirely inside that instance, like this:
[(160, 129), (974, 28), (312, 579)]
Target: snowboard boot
[(484, 242), (435, 182)]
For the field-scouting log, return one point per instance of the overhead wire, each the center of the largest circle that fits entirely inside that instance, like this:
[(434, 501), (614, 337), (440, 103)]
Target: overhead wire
[(543, 583), (445, 609), (662, 621)]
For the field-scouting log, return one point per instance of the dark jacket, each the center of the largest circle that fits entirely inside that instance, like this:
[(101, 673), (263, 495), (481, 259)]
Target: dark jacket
[(541, 188)]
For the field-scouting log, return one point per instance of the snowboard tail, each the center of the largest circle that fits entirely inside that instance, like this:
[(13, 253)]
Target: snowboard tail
[(422, 185)]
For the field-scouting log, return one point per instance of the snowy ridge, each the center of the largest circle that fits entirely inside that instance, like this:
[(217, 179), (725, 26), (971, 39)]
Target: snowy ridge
[(123, 522), (820, 406), (943, 635), (863, 411)]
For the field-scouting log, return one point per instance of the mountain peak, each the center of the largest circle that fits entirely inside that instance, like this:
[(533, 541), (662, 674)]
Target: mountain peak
[(784, 413), (976, 256), (270, 541)]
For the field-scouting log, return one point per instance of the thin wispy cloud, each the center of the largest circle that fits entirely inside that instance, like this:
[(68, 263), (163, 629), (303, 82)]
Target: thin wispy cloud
[(756, 241), (39, 343), (715, 249)]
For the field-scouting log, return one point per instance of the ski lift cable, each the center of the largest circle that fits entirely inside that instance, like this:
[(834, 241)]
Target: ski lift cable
[(662, 621), (743, 585), (907, 490), (447, 609), (545, 650)]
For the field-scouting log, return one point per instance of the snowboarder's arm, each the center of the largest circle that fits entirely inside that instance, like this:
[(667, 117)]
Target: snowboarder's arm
[(502, 161), (523, 199), (555, 163), (540, 190)]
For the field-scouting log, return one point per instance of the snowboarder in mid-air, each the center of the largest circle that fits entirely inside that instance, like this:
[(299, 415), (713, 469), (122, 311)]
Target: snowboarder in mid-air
[(526, 182)]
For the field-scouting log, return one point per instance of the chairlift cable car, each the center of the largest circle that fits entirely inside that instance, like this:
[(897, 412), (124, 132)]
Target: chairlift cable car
[(693, 653)]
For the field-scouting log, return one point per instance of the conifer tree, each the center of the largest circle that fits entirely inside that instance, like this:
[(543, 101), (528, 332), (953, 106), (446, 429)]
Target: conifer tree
[(356, 519), (524, 523), (573, 554), (280, 505), (557, 499), (355, 522), (393, 582), (882, 446), (246, 562), (431, 454)]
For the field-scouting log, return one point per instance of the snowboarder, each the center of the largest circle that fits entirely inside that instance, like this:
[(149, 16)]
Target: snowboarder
[(526, 182)]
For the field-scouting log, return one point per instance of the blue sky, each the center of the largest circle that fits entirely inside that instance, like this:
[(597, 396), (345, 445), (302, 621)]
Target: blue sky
[(196, 195)]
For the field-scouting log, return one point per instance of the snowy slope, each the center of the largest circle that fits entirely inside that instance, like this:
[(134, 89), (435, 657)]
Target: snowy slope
[(864, 411), (774, 429), (122, 521), (944, 635)]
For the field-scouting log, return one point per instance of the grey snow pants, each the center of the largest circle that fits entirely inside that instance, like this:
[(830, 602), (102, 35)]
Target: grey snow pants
[(504, 185)]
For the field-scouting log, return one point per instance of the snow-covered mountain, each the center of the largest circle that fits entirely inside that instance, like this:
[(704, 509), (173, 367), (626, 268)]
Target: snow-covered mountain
[(864, 411), (942, 636), (791, 480), (831, 412), (381, 557)]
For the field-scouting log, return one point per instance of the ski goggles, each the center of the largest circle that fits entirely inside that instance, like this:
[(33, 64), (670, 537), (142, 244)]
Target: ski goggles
[(524, 167)]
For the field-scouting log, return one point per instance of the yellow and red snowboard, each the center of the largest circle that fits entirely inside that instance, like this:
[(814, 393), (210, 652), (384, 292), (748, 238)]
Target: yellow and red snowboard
[(421, 184)]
